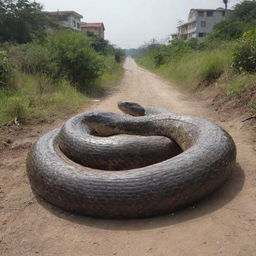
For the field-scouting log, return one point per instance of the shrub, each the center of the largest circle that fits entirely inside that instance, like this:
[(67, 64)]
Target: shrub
[(5, 69), (235, 85), (226, 30), (253, 106), (240, 20), (21, 21), (64, 54), (160, 55), (37, 98), (158, 59), (17, 108), (74, 57), (32, 58), (192, 43), (119, 55), (188, 66), (244, 57), (244, 11)]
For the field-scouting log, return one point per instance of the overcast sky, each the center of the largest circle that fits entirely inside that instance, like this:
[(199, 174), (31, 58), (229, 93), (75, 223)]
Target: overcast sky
[(131, 23)]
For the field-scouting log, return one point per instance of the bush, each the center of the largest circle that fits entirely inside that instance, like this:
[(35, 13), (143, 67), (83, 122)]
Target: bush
[(245, 11), (119, 55), (158, 59), (154, 55), (189, 66), (244, 57), (74, 57), (226, 30), (22, 20), (17, 108), (64, 54), (253, 106), (5, 70), (238, 83), (36, 99), (240, 20), (32, 58)]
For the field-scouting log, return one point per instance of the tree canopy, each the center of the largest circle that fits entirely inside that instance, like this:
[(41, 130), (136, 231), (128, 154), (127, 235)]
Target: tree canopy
[(240, 20), (21, 21), (245, 11)]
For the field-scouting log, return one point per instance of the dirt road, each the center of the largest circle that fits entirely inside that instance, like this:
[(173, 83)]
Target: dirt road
[(223, 224)]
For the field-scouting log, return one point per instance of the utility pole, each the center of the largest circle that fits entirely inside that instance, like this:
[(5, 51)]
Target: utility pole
[(226, 7)]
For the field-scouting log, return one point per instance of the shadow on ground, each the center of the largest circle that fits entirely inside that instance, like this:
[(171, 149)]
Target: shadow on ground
[(217, 200)]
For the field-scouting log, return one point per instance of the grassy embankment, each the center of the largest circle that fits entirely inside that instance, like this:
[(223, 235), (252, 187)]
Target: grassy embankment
[(198, 69), (39, 81), (36, 98)]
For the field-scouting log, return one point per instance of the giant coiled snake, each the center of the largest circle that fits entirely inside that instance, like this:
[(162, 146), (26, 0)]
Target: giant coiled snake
[(207, 160)]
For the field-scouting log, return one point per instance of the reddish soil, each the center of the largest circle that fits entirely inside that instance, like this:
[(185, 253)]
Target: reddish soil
[(222, 224)]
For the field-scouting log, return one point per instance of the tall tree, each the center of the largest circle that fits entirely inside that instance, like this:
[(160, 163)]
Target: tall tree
[(226, 3), (226, 7), (245, 11), (241, 19), (21, 21)]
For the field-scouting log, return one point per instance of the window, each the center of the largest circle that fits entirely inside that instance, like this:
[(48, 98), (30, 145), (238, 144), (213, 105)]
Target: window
[(201, 13), (203, 24), (78, 25), (200, 34), (209, 13), (74, 23)]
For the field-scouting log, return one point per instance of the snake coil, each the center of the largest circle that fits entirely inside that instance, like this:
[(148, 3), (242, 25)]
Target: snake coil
[(207, 160)]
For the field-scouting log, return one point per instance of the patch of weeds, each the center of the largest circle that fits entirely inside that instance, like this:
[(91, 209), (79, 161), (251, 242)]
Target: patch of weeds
[(253, 106), (238, 83)]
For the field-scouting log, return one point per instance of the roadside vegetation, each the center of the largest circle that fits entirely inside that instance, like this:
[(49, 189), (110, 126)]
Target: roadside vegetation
[(226, 58), (47, 74)]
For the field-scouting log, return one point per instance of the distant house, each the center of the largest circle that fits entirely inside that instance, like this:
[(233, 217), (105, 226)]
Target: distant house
[(97, 28), (67, 19), (200, 23)]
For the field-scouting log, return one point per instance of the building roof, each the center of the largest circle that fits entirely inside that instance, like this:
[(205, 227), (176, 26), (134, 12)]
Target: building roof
[(63, 13), (193, 10), (185, 24), (218, 9), (92, 25)]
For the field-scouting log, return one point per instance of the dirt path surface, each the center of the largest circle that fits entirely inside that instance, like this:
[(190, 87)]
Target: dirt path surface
[(223, 224)]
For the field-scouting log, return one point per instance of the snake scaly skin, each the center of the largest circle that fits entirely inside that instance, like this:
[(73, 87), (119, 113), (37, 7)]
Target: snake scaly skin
[(207, 160)]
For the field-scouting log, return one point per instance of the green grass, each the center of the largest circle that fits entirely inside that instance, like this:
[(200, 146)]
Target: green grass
[(201, 68), (253, 106), (236, 83), (35, 99), (197, 67), (112, 76), (147, 61), (194, 67)]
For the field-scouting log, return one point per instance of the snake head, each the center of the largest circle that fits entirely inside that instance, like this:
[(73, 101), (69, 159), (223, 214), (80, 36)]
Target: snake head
[(103, 123), (131, 108)]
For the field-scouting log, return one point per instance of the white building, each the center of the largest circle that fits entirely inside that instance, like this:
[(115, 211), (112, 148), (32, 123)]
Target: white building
[(67, 19), (200, 23)]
